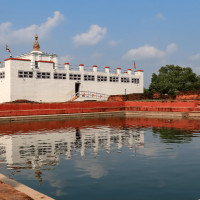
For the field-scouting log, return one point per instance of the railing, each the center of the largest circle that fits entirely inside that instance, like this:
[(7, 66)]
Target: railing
[(89, 95)]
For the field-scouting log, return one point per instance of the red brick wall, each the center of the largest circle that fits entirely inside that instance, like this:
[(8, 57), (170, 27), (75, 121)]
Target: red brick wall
[(129, 97), (189, 95), (89, 107)]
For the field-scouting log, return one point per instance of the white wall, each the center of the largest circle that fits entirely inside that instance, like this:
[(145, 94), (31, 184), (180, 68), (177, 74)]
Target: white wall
[(5, 84), (41, 90)]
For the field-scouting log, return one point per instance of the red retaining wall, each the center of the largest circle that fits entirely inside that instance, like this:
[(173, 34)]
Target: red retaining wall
[(189, 95), (129, 97), (25, 109), (166, 106)]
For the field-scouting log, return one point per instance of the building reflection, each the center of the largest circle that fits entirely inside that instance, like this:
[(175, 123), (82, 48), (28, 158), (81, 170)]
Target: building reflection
[(44, 148)]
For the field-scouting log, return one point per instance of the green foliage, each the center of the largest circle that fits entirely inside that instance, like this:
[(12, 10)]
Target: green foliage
[(146, 91), (172, 79)]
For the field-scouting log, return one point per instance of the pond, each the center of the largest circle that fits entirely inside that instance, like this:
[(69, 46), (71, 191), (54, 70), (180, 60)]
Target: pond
[(104, 158)]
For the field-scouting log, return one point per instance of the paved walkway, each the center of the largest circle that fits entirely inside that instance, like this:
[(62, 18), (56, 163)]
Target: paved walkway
[(12, 190), (8, 193)]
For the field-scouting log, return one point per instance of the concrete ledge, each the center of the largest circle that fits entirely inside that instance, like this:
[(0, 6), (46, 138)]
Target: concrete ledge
[(156, 114), (104, 114), (24, 189), (63, 116)]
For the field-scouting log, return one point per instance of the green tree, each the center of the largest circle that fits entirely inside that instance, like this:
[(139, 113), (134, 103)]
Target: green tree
[(172, 79)]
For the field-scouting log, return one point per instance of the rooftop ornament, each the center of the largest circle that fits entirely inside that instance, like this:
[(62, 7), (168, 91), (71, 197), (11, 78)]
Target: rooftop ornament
[(36, 46)]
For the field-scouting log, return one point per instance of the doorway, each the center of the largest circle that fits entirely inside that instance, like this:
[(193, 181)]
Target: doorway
[(77, 88)]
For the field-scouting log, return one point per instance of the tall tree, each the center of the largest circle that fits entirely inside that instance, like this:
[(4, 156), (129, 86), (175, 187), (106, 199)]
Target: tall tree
[(172, 79)]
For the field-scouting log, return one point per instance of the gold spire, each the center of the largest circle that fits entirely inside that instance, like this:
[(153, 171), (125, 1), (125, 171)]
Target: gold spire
[(36, 46)]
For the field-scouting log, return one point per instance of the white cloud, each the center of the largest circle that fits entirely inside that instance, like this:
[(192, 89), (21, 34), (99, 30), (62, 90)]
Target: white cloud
[(147, 52), (24, 35), (160, 16), (97, 55), (64, 59), (171, 48), (113, 43), (92, 37), (195, 57), (93, 168), (144, 52)]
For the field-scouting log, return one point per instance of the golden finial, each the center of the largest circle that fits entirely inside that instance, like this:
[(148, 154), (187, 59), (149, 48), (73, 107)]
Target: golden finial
[(36, 46)]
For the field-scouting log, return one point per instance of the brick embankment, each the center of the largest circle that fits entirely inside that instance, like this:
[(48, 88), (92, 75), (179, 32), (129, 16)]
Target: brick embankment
[(84, 109)]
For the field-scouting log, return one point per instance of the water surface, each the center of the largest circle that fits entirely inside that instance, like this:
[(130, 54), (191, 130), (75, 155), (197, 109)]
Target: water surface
[(105, 158)]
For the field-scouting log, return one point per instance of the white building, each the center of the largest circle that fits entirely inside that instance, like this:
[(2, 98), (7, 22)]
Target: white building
[(35, 76)]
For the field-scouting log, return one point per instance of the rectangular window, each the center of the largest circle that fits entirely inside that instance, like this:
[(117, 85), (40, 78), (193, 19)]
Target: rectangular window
[(74, 77), (135, 80), (25, 74), (2, 74), (114, 79), (59, 76), (125, 80), (36, 64), (88, 77), (43, 75), (101, 78)]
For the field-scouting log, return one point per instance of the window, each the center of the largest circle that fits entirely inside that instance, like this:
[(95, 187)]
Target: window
[(114, 79), (43, 75), (88, 77), (74, 77), (101, 78), (135, 80), (2, 74), (125, 80), (36, 65), (59, 76), (25, 74)]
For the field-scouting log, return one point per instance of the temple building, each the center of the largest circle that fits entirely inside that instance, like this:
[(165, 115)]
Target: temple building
[(35, 76)]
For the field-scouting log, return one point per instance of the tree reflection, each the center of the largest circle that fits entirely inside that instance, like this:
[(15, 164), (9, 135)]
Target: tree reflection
[(170, 135)]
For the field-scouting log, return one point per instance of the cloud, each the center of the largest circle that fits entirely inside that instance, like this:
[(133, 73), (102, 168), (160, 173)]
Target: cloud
[(67, 58), (24, 35), (92, 168), (97, 55), (160, 16), (147, 52), (113, 43), (144, 52), (195, 57), (171, 48), (92, 37)]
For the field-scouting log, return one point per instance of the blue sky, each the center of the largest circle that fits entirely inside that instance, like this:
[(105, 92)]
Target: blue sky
[(111, 33)]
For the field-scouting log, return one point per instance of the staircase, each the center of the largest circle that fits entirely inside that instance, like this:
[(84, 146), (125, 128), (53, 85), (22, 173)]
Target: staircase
[(88, 95)]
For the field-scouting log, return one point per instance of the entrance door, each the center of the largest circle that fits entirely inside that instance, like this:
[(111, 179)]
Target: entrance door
[(77, 87)]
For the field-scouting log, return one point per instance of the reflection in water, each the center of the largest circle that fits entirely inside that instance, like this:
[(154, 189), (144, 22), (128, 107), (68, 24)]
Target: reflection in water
[(43, 147), (35, 150), (40, 146), (173, 135), (34, 144)]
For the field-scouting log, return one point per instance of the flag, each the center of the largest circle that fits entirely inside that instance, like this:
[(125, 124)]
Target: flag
[(134, 65), (7, 49)]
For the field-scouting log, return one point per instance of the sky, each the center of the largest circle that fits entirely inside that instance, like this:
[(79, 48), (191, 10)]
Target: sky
[(113, 33)]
